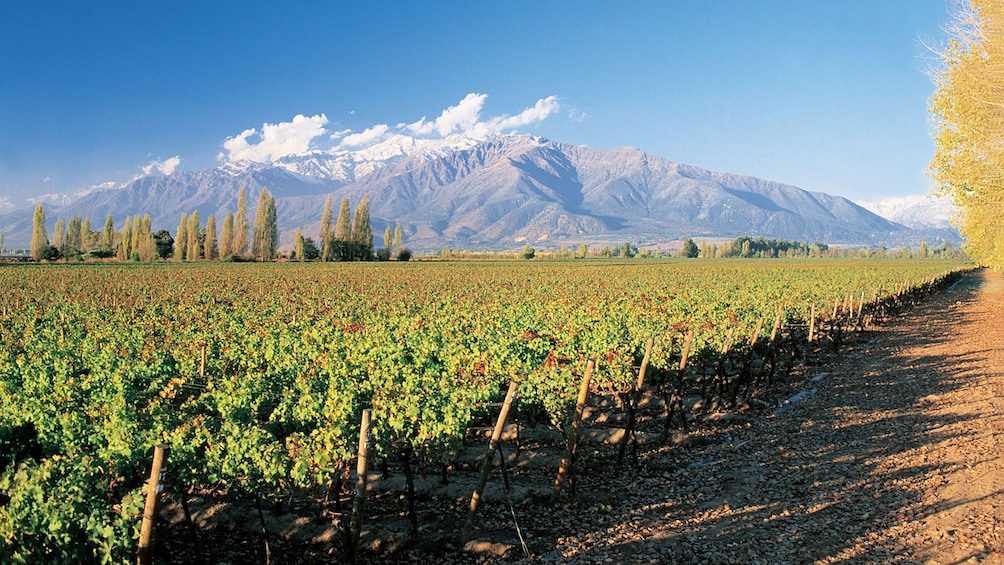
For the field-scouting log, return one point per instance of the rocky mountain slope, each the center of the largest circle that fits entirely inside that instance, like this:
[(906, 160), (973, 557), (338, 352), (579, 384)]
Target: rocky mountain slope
[(498, 193)]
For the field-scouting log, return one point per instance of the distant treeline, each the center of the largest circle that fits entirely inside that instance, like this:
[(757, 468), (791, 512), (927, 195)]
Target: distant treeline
[(742, 247)]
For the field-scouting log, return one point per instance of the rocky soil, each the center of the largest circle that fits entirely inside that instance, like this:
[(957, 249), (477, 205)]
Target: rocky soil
[(890, 453)]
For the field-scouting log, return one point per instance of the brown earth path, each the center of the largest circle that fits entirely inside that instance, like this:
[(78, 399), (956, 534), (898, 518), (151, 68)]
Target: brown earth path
[(897, 457)]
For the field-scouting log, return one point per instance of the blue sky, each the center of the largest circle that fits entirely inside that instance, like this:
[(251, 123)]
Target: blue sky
[(826, 95)]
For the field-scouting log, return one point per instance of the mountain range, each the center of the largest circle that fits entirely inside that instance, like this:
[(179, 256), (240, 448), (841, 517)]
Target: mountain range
[(498, 193)]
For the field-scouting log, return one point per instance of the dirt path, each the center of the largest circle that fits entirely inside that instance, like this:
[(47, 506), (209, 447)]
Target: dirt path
[(896, 457)]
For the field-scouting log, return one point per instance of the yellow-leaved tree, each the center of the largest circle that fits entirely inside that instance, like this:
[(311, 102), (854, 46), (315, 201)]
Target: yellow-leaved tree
[(968, 114)]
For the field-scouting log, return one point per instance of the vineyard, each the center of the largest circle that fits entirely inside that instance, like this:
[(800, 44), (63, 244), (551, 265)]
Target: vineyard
[(256, 376)]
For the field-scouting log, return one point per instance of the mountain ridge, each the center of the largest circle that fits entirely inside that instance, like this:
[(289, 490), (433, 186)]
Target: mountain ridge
[(497, 193)]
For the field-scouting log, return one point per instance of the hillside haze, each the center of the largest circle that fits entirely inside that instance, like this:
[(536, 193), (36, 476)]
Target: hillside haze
[(498, 193)]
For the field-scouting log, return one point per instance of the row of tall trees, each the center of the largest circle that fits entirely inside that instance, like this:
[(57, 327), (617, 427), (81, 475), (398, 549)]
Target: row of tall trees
[(195, 242), (349, 239), (74, 239), (968, 114)]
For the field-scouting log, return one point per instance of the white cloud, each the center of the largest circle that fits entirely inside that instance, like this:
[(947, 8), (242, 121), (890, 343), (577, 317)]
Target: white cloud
[(339, 134), (165, 167), (502, 124), (463, 117), (275, 140), (6, 205), (366, 137), (298, 136)]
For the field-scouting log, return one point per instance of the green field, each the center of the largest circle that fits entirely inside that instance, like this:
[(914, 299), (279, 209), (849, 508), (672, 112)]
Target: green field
[(256, 374)]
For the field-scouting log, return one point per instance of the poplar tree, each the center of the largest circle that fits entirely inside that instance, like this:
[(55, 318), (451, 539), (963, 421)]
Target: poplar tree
[(388, 239), (326, 219), (86, 236), (145, 248), (193, 236), (968, 163), (209, 250), (343, 227), (123, 251), (59, 236), (240, 242), (1, 241), (398, 240), (73, 237), (137, 231), (39, 239), (362, 231), (266, 230), (227, 238), (109, 236), (298, 244), (181, 240)]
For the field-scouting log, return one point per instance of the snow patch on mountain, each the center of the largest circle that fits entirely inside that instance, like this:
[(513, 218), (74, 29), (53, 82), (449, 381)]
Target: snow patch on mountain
[(54, 199), (348, 166), (915, 211)]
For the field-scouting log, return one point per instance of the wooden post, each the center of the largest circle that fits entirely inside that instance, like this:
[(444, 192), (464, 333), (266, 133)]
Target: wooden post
[(777, 325), (573, 434), (202, 361), (728, 341), (362, 468), (812, 323), (144, 554), (633, 406), (756, 334), (686, 351), (486, 466)]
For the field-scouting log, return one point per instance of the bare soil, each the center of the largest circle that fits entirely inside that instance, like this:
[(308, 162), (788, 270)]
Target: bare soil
[(891, 452)]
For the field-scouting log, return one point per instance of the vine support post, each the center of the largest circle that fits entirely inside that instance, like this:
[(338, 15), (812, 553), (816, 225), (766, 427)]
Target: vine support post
[(861, 308), (777, 325), (633, 404), (812, 323), (202, 361), (573, 434), (486, 465), (144, 555), (362, 469)]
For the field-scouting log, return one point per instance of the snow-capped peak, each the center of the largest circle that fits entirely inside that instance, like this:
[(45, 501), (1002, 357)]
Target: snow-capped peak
[(347, 165), (914, 211)]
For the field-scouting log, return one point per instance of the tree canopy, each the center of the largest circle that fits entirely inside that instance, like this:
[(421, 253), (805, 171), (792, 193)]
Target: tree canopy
[(966, 107)]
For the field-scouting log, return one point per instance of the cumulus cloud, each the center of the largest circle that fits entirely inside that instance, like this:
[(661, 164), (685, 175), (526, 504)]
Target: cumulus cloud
[(462, 117), (301, 134), (502, 124), (339, 134), (165, 167), (366, 137), (275, 140)]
